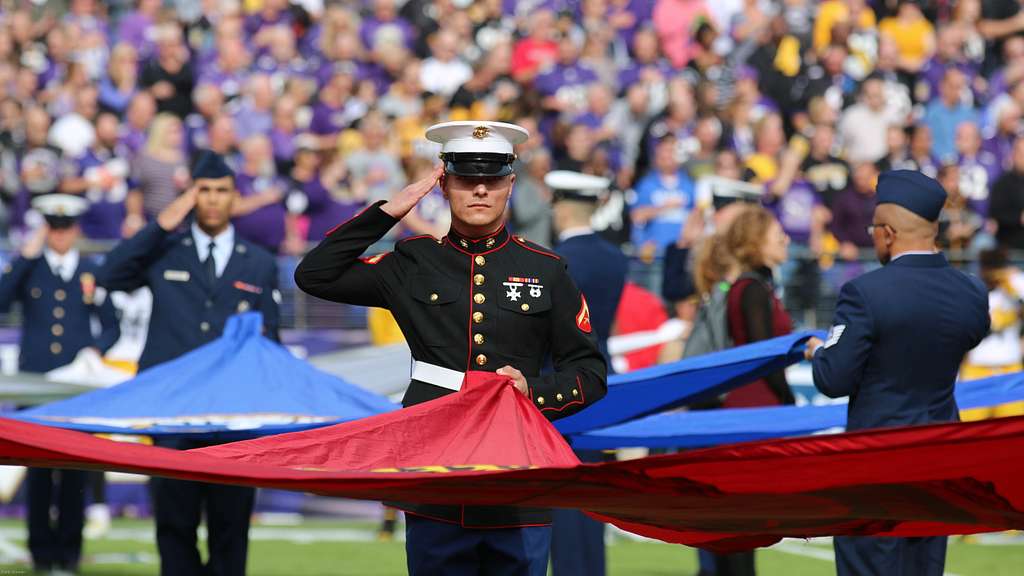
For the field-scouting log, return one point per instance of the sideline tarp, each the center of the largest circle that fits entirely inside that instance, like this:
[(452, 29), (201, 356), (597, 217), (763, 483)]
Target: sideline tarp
[(643, 392), (714, 427), (489, 445), (241, 385)]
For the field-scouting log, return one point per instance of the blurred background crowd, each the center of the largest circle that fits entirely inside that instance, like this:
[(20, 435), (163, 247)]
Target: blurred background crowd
[(685, 105)]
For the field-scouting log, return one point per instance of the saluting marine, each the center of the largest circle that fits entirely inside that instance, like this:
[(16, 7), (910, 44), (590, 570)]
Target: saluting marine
[(60, 299), (476, 299)]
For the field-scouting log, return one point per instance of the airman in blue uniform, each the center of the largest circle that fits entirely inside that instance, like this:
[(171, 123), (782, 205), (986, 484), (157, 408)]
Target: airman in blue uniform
[(199, 277), (599, 268), (899, 336), (60, 299)]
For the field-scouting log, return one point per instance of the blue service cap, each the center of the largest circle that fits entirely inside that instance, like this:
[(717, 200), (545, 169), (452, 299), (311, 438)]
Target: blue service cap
[(912, 190), (211, 165)]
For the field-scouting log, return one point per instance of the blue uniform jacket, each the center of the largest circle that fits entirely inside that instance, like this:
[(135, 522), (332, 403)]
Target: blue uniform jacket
[(899, 335), (187, 311), (599, 270), (57, 314)]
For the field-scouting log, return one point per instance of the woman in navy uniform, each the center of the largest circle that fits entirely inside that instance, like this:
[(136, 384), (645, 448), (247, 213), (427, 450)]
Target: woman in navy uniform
[(899, 336), (477, 299), (199, 277), (57, 289)]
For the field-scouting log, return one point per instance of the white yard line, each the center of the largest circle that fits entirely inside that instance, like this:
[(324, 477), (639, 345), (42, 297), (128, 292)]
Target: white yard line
[(11, 553)]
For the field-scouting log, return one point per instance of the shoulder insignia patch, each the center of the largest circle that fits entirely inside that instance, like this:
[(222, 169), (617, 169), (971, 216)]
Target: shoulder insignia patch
[(834, 334), (375, 259), (583, 316)]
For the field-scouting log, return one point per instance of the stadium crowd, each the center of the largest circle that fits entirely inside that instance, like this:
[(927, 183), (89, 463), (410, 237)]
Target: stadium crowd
[(321, 108)]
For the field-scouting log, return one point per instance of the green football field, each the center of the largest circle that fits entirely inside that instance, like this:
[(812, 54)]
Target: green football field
[(319, 547)]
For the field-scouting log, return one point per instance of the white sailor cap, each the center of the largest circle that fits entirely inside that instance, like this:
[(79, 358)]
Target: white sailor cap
[(60, 210), (477, 147), (569, 185)]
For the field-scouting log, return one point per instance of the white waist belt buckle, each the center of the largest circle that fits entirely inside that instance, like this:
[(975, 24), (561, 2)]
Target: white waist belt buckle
[(437, 375)]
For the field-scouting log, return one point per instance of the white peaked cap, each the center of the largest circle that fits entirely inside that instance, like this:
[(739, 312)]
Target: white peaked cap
[(477, 136), (67, 205), (576, 181)]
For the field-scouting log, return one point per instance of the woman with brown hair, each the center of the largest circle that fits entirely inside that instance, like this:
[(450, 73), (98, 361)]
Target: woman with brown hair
[(757, 242)]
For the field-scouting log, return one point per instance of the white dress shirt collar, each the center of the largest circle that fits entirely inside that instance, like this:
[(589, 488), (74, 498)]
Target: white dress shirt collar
[(224, 243), (66, 263)]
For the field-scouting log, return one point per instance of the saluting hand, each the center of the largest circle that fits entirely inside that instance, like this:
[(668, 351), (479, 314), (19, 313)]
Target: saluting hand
[(517, 378), (176, 211), (404, 201), (33, 247)]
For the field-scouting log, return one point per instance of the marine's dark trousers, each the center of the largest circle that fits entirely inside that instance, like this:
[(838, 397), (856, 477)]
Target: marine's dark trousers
[(60, 545), (435, 548), (864, 556)]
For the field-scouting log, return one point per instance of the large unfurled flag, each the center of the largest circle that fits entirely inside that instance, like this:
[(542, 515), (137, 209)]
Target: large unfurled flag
[(241, 385), (713, 427), (649, 390), (488, 445)]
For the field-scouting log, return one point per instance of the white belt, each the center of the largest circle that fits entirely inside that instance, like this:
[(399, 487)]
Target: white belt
[(437, 375)]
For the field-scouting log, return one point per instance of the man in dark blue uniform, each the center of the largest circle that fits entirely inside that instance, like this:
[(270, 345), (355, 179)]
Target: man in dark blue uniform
[(57, 290), (599, 268), (477, 299), (899, 336), (199, 277)]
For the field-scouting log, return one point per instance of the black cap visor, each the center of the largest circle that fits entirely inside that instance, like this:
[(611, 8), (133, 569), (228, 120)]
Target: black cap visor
[(478, 164), (60, 222)]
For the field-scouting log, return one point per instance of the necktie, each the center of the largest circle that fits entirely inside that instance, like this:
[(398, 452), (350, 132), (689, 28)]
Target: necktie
[(209, 265)]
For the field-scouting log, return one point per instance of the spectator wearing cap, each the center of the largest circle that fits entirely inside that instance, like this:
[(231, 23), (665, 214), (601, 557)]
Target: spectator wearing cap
[(199, 277), (1007, 206), (60, 301), (979, 168), (41, 167), (892, 322), (945, 113)]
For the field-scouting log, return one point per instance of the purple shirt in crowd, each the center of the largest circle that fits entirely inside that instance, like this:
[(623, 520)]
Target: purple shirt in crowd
[(795, 209), (1000, 146), (134, 29), (264, 226), (103, 219), (852, 213), (324, 211), (977, 175)]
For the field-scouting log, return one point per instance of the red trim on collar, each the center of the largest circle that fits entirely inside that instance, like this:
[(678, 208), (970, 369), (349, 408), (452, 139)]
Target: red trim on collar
[(523, 244), (459, 248)]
